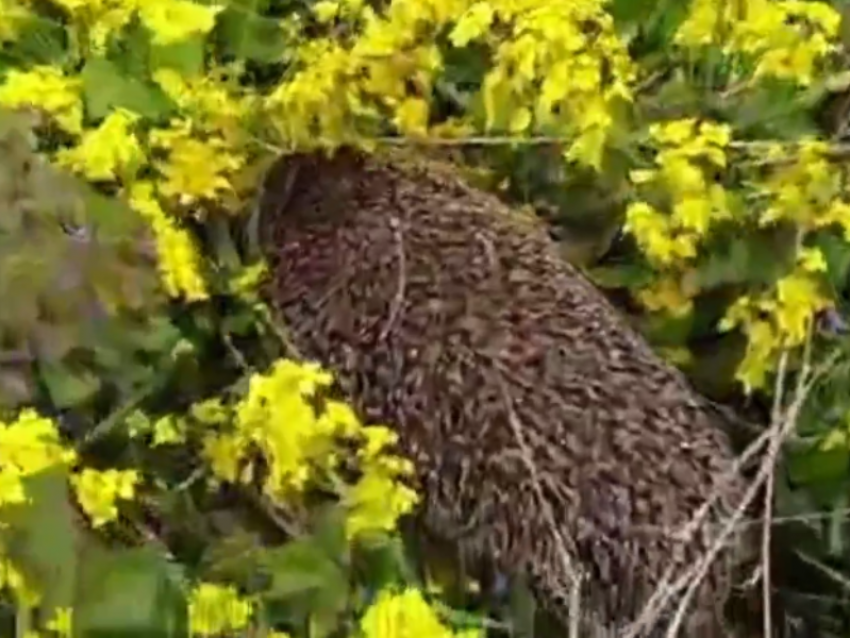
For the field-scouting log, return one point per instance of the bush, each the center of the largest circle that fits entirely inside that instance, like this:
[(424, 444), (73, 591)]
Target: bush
[(692, 155)]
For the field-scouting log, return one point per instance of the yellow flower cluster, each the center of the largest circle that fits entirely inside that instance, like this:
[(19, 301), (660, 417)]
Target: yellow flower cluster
[(778, 319), (406, 614), (553, 72), (107, 152), (47, 89), (97, 492), (803, 189), (194, 158), (687, 153), (28, 446), (562, 70), (216, 610), (169, 21), (300, 445), (786, 39), (179, 259)]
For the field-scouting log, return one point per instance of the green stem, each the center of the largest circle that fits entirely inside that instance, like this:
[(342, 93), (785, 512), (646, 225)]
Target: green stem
[(23, 621)]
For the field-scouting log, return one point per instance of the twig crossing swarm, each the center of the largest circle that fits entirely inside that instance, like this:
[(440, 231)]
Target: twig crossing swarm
[(549, 440)]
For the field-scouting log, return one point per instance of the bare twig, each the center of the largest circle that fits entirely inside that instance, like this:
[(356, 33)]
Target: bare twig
[(398, 300), (773, 453), (561, 543), (666, 591), (779, 429)]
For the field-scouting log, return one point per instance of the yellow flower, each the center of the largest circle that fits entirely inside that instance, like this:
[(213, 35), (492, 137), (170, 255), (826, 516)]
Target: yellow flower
[(97, 492), (666, 295), (210, 412), (171, 21), (179, 259), (224, 453), (376, 502), (110, 151), (405, 614), (215, 610), (812, 260), (785, 39), (472, 25), (12, 578), (28, 446), (61, 623), (12, 15), (168, 430), (46, 88), (411, 117), (194, 169), (213, 105)]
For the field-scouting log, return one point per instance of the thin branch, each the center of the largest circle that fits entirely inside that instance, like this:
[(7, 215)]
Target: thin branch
[(567, 564)]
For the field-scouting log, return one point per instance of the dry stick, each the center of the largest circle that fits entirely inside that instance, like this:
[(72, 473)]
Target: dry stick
[(779, 429), (662, 594), (773, 452), (563, 553), (398, 300)]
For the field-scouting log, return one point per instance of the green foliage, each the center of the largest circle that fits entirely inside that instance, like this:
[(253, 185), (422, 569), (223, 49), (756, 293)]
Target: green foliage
[(122, 317), (69, 323)]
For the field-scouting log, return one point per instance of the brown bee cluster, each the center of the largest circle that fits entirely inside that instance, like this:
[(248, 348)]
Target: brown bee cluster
[(549, 441)]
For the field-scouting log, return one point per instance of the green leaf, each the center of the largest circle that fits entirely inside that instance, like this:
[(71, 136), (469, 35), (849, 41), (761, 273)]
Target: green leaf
[(836, 251), (523, 608), (300, 565), (311, 583), (67, 388), (759, 258), (131, 592), (40, 41), (818, 467), (45, 537), (246, 35), (186, 56), (773, 110), (625, 275), (106, 88)]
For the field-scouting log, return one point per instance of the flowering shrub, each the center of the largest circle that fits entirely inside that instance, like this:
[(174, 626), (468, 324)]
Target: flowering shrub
[(699, 117)]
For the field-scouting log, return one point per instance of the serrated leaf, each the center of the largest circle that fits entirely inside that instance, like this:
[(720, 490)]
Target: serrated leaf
[(106, 88)]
